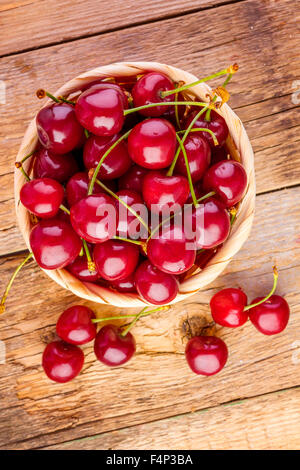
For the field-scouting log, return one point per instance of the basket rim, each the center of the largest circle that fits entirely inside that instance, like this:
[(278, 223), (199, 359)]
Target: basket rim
[(245, 214)]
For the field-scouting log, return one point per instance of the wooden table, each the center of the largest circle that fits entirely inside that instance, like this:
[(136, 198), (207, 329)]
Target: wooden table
[(155, 402)]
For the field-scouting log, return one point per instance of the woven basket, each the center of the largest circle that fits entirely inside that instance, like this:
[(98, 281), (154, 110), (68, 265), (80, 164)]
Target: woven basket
[(240, 149)]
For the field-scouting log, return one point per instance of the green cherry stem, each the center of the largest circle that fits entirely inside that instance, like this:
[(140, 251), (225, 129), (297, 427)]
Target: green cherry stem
[(86, 133), (212, 193), (139, 315), (275, 274), (228, 78), (165, 103), (20, 167), (132, 315), (90, 262), (176, 112), (10, 282), (64, 208), (233, 213), (42, 94), (133, 212), (197, 129), (64, 100), (135, 242), (187, 170), (97, 169)]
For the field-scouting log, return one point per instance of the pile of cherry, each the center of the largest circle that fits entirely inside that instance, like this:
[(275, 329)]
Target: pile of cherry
[(146, 146)]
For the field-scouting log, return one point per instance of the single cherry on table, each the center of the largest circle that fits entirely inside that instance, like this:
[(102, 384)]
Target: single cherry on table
[(113, 349), (62, 362), (206, 355)]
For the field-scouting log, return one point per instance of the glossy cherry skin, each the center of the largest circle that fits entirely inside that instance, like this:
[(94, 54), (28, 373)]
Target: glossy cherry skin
[(209, 224), (272, 316), (155, 286), (227, 307), (58, 129), (77, 188), (218, 154), (42, 197), (54, 244), (79, 269), (115, 164), (128, 224), (198, 153), (100, 110), (74, 326), (116, 259), (114, 86), (217, 124), (112, 348), (152, 143), (147, 91), (125, 285), (161, 192), (57, 167), (228, 179), (94, 218), (133, 179), (206, 355), (170, 251), (61, 361)]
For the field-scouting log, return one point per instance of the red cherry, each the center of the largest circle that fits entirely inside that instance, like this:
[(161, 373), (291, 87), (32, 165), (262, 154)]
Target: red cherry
[(228, 179), (112, 348), (94, 218), (198, 154), (42, 197), (125, 285), (100, 110), (57, 167), (128, 225), (227, 307), (209, 224), (114, 86), (198, 193), (161, 192), (154, 285), (79, 269), (58, 129), (62, 362), (170, 251), (152, 143), (170, 112), (74, 326), (216, 124), (133, 179), (147, 91), (218, 154), (115, 164), (77, 188), (54, 244), (272, 316), (206, 355), (116, 259)]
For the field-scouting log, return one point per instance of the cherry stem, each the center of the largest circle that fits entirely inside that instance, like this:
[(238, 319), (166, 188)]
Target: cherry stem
[(26, 157), (187, 170), (198, 129), (86, 133), (207, 115), (135, 242), (64, 208), (176, 112), (42, 93), (81, 253), (232, 69), (133, 212), (90, 262), (139, 315), (10, 282), (20, 167), (97, 169), (165, 103), (233, 212), (275, 274), (212, 193), (121, 317), (64, 100)]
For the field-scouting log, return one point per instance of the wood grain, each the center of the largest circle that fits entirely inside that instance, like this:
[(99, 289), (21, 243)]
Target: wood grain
[(36, 412), (257, 423)]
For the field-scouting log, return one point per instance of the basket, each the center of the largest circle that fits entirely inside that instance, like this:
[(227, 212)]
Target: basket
[(238, 144)]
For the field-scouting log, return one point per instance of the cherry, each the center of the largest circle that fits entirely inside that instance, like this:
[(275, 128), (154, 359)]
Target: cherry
[(77, 188), (198, 193), (57, 167), (155, 286), (228, 179), (147, 91), (227, 307), (94, 218), (216, 124), (133, 179), (128, 225), (116, 259), (218, 154), (54, 244), (152, 143), (79, 269), (114, 86), (100, 109), (170, 114), (112, 348), (209, 223), (206, 355), (62, 362), (117, 161), (270, 317), (74, 326), (161, 192), (198, 154), (58, 129), (125, 285), (42, 197), (170, 251)]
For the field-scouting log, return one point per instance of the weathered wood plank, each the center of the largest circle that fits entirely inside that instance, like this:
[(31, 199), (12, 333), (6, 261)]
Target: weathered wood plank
[(63, 20), (41, 413), (270, 422)]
